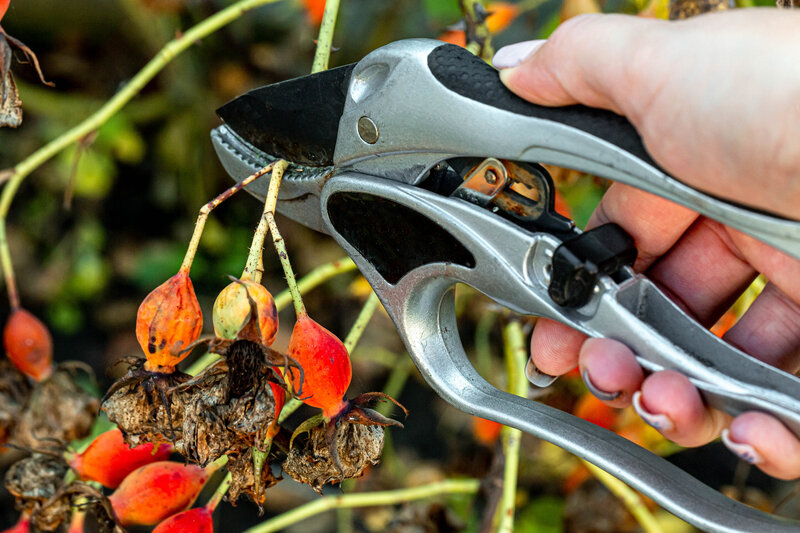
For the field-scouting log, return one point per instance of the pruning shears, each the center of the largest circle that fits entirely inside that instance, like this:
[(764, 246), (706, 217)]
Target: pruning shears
[(426, 170)]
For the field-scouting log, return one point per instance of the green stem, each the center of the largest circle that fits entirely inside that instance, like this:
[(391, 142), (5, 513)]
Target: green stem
[(252, 269), (325, 38), (395, 384), (515, 355), (220, 492), (354, 335), (316, 277), (367, 499), (170, 51), (629, 498), (283, 256), (8, 268)]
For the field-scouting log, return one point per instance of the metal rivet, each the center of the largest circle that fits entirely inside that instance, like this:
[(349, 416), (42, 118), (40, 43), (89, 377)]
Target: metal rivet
[(491, 176), (367, 130)]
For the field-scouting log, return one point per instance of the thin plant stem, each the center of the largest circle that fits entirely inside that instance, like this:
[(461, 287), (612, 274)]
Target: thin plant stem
[(220, 492), (367, 499), (202, 362), (8, 268), (515, 354), (630, 498), (316, 277), (191, 250), (254, 267), (395, 384), (354, 335), (283, 256), (325, 39), (169, 52)]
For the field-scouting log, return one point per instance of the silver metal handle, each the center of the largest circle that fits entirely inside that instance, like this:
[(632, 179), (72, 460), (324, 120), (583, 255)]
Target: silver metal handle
[(421, 304)]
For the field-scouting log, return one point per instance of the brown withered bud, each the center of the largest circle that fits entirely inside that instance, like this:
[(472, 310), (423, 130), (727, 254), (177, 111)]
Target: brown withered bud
[(34, 480), (243, 479), (216, 421), (310, 462), (14, 393), (58, 409)]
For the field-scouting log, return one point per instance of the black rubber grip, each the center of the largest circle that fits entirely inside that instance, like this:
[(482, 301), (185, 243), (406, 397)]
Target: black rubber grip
[(464, 73)]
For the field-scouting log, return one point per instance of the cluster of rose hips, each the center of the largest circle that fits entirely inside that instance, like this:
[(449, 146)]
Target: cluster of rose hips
[(226, 414)]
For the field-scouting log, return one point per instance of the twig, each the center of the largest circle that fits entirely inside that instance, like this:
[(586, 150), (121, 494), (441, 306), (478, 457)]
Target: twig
[(629, 498), (170, 51), (515, 355), (191, 250), (354, 335), (325, 38), (316, 277), (254, 267), (220, 492), (368, 499), (479, 38), (283, 256)]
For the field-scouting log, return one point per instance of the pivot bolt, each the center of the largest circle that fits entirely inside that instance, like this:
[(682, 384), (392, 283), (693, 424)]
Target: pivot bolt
[(367, 130)]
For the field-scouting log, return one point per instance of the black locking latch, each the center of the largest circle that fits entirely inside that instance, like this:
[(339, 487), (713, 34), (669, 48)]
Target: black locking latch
[(579, 261)]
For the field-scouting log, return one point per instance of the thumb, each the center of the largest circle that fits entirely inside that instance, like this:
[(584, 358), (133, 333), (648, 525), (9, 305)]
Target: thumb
[(586, 60)]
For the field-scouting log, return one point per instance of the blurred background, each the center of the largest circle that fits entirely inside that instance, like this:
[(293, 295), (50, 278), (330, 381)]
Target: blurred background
[(101, 224)]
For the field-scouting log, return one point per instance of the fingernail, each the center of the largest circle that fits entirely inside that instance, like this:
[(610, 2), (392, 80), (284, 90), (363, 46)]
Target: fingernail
[(744, 451), (660, 422), (599, 394), (536, 377), (514, 54)]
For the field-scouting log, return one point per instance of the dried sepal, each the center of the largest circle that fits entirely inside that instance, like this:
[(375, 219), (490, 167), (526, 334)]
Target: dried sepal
[(357, 446), (58, 409), (243, 481), (33, 480), (15, 390)]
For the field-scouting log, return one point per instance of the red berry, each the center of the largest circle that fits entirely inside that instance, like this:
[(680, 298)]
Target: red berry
[(157, 491), (326, 366), (28, 344), (168, 321), (232, 313), (192, 521), (108, 459), (23, 525)]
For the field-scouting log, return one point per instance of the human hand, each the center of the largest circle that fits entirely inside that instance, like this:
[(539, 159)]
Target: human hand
[(715, 100)]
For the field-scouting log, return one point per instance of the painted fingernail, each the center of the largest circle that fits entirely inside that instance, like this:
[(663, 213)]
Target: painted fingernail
[(536, 377), (514, 54), (660, 422), (744, 451), (599, 394)]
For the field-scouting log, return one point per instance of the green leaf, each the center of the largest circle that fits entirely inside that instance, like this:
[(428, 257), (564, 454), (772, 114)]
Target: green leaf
[(543, 515)]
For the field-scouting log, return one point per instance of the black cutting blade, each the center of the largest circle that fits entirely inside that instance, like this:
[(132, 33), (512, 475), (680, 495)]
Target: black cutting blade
[(296, 120)]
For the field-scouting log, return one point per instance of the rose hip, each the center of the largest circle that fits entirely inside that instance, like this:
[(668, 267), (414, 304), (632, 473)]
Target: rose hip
[(326, 364), (108, 460), (192, 521), (156, 491), (23, 525), (234, 310), (168, 321), (28, 344)]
